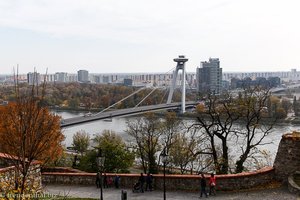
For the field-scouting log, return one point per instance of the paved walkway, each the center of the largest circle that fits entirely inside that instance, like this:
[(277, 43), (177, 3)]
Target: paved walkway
[(115, 194)]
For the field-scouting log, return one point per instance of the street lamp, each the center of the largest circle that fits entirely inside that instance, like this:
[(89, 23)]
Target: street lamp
[(164, 158), (75, 162), (100, 163)]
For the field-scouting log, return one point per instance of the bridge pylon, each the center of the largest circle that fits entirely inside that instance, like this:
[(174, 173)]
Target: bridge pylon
[(180, 66)]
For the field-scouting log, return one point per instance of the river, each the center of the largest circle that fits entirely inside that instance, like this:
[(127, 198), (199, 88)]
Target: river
[(119, 126)]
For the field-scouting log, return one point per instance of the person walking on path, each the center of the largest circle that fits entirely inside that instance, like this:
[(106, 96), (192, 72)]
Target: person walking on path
[(98, 179), (117, 181), (142, 181), (149, 182), (212, 184), (203, 185), (105, 181)]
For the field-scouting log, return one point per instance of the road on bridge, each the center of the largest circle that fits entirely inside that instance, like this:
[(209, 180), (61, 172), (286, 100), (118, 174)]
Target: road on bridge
[(121, 112)]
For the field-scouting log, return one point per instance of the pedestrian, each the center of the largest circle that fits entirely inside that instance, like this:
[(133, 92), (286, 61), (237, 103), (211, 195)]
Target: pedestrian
[(141, 181), (109, 181), (105, 181), (212, 184), (98, 179), (203, 185), (117, 181), (149, 180)]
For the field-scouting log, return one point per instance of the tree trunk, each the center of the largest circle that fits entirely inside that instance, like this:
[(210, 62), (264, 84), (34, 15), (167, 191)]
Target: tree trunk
[(214, 154), (224, 163), (240, 162)]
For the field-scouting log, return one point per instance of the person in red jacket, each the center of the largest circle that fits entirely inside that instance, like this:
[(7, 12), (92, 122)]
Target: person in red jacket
[(212, 184)]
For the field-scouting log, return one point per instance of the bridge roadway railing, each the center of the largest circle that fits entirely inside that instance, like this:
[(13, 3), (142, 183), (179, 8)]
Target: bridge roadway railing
[(121, 112)]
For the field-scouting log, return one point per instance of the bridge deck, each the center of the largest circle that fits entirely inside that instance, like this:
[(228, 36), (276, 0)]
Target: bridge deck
[(121, 112)]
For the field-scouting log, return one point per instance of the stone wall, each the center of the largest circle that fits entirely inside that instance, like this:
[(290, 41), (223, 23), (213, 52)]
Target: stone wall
[(293, 183), (287, 160), (8, 179), (286, 163), (174, 182)]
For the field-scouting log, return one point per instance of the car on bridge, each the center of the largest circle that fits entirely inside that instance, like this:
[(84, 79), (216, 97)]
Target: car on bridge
[(88, 114)]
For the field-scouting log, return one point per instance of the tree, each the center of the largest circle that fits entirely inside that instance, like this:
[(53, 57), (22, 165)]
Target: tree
[(81, 141), (238, 118), (296, 106), (146, 133), (118, 158), (186, 148), (170, 127), (251, 107), (73, 103), (217, 121), (286, 105), (29, 131)]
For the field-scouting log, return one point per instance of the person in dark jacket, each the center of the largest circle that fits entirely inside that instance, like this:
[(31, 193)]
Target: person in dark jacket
[(203, 185), (149, 180), (142, 181), (117, 181)]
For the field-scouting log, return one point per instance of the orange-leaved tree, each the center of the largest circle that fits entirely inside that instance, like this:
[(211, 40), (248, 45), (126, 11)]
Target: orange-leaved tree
[(29, 132)]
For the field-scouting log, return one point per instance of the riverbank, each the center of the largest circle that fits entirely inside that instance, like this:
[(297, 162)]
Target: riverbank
[(295, 120)]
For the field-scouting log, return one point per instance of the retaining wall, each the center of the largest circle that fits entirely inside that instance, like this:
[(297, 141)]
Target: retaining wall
[(287, 159), (8, 178), (244, 180), (286, 163)]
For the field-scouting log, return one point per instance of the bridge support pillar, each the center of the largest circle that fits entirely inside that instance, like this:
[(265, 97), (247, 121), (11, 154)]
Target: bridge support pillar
[(180, 66)]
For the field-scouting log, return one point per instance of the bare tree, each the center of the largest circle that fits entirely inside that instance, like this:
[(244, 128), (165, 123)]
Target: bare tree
[(240, 117), (255, 127), (217, 121), (187, 147)]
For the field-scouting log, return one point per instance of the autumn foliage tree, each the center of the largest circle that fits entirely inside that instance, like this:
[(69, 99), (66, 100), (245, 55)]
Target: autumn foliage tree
[(29, 132)]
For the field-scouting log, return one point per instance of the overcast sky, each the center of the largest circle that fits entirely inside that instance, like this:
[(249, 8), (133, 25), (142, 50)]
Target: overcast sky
[(105, 36)]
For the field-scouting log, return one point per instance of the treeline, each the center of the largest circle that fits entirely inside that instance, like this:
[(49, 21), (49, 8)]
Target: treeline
[(94, 96)]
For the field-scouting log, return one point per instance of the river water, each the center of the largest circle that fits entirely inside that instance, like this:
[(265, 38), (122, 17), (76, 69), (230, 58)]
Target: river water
[(119, 126)]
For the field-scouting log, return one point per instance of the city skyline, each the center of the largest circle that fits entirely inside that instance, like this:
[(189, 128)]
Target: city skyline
[(144, 37)]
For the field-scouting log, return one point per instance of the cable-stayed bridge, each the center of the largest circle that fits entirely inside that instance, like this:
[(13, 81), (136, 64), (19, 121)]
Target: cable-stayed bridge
[(104, 114), (121, 112)]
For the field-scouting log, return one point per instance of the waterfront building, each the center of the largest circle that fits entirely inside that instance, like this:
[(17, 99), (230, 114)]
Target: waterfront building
[(209, 76)]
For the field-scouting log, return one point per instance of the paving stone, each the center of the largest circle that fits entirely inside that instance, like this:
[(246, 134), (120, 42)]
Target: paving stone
[(115, 194)]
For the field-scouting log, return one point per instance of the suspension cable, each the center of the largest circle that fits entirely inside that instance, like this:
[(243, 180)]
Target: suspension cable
[(167, 88), (121, 100), (145, 97)]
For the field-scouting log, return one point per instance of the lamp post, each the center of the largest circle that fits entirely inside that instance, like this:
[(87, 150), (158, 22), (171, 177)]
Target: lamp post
[(164, 158), (100, 162), (75, 162)]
